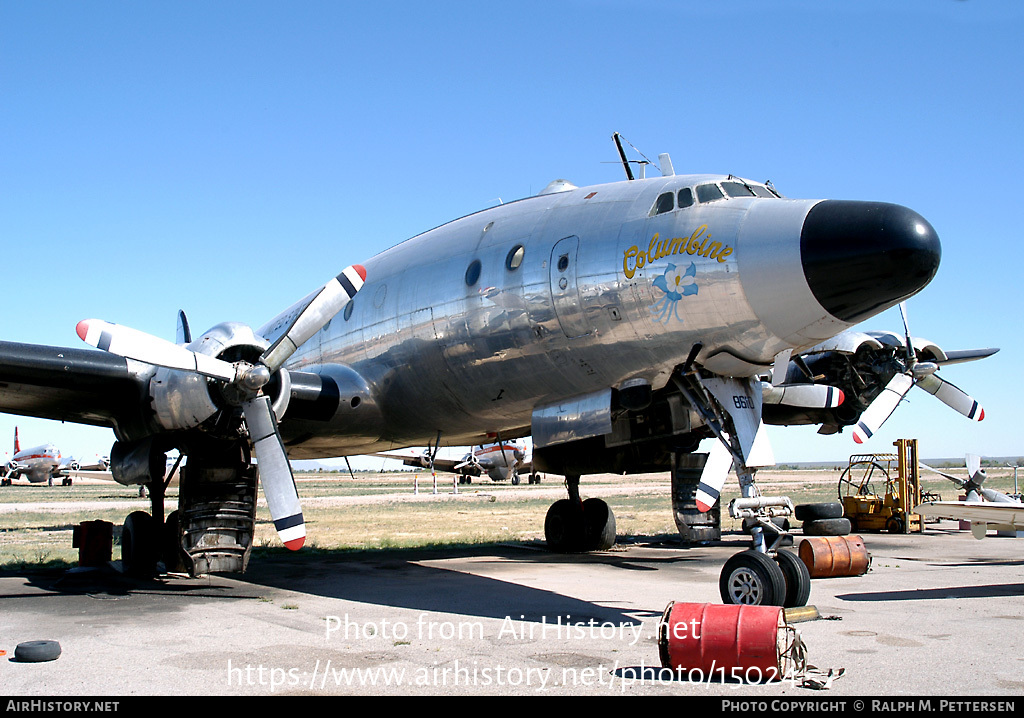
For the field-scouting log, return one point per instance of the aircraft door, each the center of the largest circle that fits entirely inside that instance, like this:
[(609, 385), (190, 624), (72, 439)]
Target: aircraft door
[(565, 295)]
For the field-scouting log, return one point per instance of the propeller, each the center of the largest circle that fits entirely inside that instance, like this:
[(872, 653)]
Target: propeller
[(973, 484), (248, 380), (917, 373)]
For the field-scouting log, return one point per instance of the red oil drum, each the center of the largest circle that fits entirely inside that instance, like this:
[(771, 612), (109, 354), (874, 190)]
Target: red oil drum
[(828, 556), (723, 641), (94, 541)]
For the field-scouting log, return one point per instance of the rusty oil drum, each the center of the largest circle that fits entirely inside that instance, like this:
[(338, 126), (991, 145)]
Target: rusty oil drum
[(829, 556), (711, 641)]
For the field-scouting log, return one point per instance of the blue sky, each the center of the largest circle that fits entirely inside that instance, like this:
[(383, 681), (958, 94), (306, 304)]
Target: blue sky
[(228, 157)]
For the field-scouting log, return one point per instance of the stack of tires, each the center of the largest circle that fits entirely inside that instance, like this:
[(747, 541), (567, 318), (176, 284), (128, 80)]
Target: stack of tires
[(823, 519)]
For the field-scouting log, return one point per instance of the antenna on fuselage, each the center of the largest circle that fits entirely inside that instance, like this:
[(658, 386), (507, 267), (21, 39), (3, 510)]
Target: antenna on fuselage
[(666, 161), (622, 155)]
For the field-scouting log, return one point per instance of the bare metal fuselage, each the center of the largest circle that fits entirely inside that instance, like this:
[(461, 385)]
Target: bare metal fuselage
[(467, 328)]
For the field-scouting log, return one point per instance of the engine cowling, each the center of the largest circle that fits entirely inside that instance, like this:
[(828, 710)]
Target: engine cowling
[(185, 400)]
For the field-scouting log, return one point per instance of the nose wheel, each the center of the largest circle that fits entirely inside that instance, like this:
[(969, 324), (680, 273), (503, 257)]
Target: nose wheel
[(752, 578)]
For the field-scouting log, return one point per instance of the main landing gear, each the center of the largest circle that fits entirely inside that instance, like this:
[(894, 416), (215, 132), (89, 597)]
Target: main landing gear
[(576, 526), (213, 526)]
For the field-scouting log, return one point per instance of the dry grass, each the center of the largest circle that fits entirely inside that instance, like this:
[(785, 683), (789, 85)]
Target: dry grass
[(381, 511)]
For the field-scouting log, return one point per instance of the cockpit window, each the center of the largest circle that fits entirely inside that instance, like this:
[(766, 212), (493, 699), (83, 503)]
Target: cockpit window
[(664, 204), (760, 191), (737, 189), (709, 193), (685, 197)]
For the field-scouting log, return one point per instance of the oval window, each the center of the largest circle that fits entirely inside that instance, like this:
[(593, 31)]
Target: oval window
[(563, 263), (473, 272), (515, 257), (348, 310)]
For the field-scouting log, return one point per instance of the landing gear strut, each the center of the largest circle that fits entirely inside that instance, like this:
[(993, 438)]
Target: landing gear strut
[(213, 526), (764, 574), (575, 526)]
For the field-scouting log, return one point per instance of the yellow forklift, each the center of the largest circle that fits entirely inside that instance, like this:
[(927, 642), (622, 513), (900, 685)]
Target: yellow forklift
[(878, 490)]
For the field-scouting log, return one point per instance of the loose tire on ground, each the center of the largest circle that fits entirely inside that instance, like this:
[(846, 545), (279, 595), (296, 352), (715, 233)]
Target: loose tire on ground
[(815, 512), (752, 578), (827, 527), (798, 579), (36, 651)]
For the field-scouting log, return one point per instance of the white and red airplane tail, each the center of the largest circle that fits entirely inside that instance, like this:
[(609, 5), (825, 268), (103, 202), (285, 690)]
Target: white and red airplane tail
[(17, 444)]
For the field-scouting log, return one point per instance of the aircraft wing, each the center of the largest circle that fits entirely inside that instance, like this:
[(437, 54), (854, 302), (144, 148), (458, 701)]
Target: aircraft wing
[(977, 511), (451, 466), (78, 385)]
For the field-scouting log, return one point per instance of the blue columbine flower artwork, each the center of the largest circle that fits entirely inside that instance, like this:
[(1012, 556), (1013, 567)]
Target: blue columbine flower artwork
[(675, 284)]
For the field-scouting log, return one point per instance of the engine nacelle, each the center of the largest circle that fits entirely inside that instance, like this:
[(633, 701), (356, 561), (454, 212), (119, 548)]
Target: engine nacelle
[(137, 462), (330, 402), (184, 400)]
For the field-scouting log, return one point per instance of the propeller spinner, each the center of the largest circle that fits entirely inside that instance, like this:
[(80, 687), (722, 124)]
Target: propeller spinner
[(248, 380)]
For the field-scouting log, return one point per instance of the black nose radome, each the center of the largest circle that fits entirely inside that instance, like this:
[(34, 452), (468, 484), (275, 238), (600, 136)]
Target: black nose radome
[(862, 257)]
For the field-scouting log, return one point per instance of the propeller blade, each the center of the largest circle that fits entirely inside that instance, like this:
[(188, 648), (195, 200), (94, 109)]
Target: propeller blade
[(275, 472), (133, 344), (882, 407), (184, 333), (973, 464), (996, 496), (815, 396), (331, 299), (955, 479), (712, 478), (952, 397)]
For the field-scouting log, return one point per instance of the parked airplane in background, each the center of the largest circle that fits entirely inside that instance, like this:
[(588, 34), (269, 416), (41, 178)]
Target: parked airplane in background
[(44, 463), (617, 324), (984, 507), (38, 464), (501, 461)]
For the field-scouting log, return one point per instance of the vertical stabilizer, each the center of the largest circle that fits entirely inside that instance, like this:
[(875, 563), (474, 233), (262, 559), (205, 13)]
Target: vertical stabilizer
[(17, 444)]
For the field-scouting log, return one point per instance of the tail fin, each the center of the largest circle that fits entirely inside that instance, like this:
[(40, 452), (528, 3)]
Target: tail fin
[(17, 444)]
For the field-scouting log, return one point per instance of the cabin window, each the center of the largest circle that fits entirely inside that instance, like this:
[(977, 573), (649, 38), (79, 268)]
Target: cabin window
[(473, 273), (665, 203), (709, 193), (737, 189), (348, 309), (515, 257), (685, 198)]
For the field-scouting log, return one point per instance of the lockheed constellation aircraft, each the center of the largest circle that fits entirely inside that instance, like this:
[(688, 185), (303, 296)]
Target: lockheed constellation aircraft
[(500, 461), (617, 324)]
